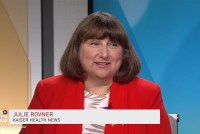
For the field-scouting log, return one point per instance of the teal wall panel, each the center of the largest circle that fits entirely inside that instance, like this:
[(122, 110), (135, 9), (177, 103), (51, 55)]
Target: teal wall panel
[(166, 36)]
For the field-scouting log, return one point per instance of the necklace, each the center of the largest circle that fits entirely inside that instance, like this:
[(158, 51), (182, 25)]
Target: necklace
[(100, 95), (97, 94)]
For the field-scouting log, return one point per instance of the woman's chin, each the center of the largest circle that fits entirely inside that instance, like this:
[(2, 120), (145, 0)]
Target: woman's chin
[(103, 76)]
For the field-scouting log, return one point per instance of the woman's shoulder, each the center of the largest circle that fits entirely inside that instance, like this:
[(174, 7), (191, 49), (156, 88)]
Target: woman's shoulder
[(58, 79), (140, 80), (57, 82), (143, 84), (51, 82), (56, 86)]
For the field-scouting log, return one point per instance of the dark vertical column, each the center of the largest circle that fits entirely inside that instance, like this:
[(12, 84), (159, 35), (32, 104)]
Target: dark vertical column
[(90, 6), (47, 38)]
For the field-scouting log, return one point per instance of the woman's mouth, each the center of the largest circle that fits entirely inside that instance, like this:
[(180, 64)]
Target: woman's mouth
[(102, 64)]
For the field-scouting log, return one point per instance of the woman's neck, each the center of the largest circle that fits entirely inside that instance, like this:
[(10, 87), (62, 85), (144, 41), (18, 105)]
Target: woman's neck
[(98, 87)]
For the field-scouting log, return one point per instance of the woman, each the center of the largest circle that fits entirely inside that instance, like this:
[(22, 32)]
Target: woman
[(100, 70)]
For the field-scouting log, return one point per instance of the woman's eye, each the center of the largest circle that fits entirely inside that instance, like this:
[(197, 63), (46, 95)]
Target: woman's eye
[(113, 45), (94, 44)]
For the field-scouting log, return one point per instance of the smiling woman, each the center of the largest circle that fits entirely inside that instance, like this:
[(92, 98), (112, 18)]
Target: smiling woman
[(100, 60), (100, 70)]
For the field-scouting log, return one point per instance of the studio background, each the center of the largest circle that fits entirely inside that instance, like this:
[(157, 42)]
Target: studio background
[(165, 33)]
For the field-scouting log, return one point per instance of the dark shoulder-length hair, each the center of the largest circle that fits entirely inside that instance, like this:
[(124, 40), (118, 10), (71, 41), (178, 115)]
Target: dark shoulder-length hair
[(100, 25)]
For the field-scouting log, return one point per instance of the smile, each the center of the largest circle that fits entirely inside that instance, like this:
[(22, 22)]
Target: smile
[(102, 64)]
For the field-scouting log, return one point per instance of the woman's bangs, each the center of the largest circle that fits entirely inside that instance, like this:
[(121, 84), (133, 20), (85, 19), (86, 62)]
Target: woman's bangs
[(104, 32)]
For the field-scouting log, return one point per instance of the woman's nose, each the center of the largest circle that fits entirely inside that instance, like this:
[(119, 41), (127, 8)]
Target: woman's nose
[(104, 52)]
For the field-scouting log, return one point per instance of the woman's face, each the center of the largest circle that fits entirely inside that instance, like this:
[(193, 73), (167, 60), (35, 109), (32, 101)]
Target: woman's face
[(100, 58)]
